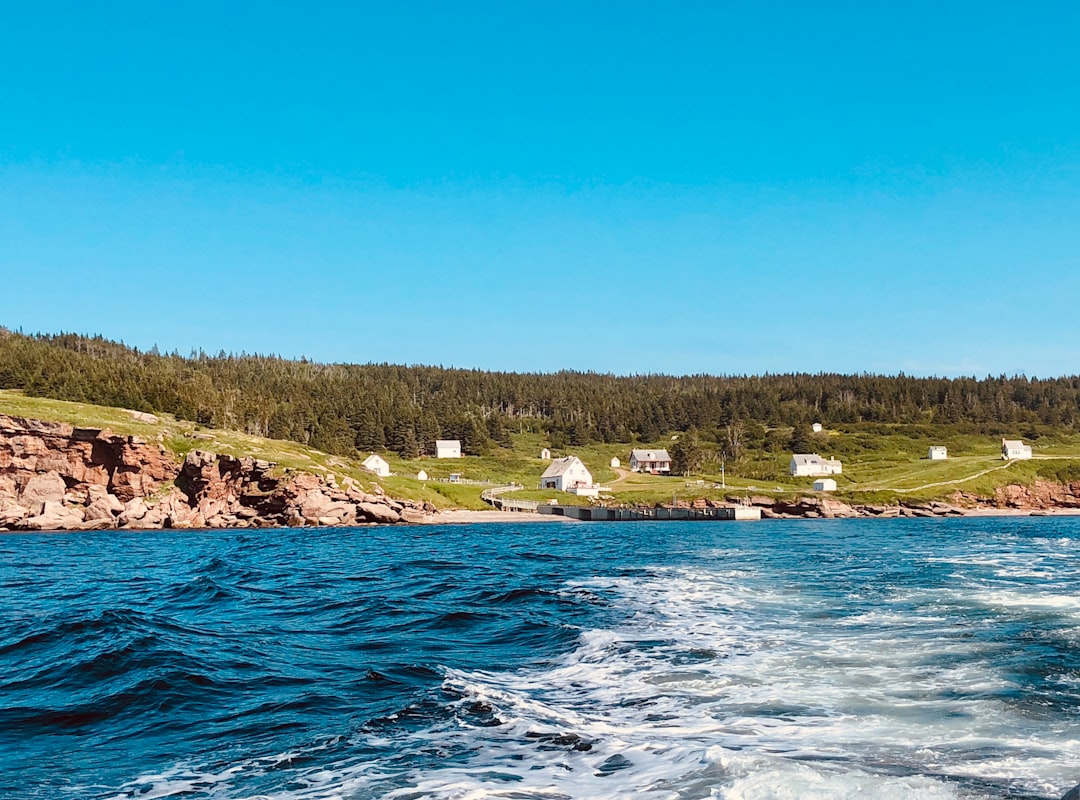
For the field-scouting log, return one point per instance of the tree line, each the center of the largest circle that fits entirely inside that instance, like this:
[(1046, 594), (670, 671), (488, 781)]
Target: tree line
[(342, 408)]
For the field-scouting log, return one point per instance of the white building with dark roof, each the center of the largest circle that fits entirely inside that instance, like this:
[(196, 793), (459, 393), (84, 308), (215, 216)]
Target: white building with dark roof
[(566, 474), (657, 462), (1014, 450), (811, 465), (938, 453)]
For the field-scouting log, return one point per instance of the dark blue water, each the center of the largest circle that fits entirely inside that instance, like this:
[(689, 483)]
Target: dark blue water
[(831, 659)]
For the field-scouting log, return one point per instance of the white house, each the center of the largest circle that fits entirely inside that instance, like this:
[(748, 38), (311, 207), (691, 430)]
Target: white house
[(1014, 450), (816, 427), (566, 474), (545, 454), (812, 465), (938, 453), (377, 464), (655, 461), (421, 475), (615, 463), (824, 485), (447, 448)]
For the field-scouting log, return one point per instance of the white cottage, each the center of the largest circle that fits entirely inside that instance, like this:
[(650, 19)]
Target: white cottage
[(657, 462), (811, 465), (377, 464), (938, 453), (824, 485), (565, 474), (1014, 450), (447, 448)]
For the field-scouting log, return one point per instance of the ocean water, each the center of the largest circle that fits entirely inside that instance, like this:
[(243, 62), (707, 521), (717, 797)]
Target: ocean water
[(931, 659)]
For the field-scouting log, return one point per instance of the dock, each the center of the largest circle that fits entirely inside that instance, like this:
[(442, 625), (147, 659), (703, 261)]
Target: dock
[(600, 514)]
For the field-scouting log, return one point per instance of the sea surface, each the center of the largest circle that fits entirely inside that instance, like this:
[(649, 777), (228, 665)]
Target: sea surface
[(935, 658)]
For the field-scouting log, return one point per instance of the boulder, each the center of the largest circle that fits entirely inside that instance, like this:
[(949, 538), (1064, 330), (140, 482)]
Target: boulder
[(1072, 794), (53, 516), (47, 488), (414, 516), (314, 504), (134, 510), (11, 513), (100, 510), (375, 512)]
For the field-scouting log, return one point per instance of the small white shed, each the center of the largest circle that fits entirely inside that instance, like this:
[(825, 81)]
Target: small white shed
[(421, 475), (377, 464), (447, 448), (615, 463), (545, 454), (938, 453), (824, 485), (817, 427)]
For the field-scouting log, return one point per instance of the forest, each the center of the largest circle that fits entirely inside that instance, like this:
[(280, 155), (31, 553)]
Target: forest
[(342, 408)]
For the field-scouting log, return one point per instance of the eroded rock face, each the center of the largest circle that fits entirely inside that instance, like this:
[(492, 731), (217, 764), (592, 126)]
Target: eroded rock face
[(34, 454), (57, 477), (1039, 496)]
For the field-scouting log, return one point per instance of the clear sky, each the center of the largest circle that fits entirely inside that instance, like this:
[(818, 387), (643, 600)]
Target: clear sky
[(630, 187)]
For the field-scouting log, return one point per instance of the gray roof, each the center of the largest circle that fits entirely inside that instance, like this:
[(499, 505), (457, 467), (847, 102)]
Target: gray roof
[(447, 443), (1011, 443), (560, 466), (650, 455), (812, 458)]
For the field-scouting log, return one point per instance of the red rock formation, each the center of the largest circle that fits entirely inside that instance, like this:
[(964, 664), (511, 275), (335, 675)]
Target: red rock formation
[(55, 476)]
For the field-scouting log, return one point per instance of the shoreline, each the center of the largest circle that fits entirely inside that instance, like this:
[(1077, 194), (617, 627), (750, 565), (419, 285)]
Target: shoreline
[(475, 517), (465, 517)]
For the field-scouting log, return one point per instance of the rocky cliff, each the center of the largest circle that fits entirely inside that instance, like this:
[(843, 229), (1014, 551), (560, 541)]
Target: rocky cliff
[(55, 476)]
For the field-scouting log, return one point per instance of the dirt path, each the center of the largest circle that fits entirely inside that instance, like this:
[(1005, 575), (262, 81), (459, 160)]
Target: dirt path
[(622, 473), (954, 482)]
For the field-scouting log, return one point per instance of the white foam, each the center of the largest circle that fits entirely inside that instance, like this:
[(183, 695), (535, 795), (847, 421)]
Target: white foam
[(736, 686), (708, 665)]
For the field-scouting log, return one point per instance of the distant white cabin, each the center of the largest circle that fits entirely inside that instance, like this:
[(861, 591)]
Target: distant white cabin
[(377, 464), (447, 448), (1014, 450), (824, 485), (938, 453), (421, 475), (566, 474), (657, 462), (817, 427), (811, 465), (545, 454), (615, 463)]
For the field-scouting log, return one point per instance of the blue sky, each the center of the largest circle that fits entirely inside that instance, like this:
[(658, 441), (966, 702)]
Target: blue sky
[(629, 187)]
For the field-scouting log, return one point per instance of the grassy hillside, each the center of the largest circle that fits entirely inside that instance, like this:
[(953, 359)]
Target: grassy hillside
[(882, 463), (180, 436)]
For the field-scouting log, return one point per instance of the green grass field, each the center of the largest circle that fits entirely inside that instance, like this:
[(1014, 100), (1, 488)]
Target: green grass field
[(881, 463)]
